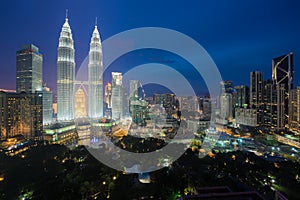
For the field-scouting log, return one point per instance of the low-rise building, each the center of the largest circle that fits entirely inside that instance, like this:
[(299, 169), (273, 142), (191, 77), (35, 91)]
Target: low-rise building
[(61, 134)]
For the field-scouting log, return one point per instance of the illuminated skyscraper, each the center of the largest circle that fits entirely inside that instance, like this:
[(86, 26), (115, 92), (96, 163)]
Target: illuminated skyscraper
[(29, 69), (47, 106), (256, 89), (256, 94), (134, 89), (65, 74), (118, 99), (108, 93), (207, 108), (226, 102), (294, 109), (283, 71), (273, 115), (95, 70), (138, 107), (242, 96), (283, 78), (226, 106), (281, 117)]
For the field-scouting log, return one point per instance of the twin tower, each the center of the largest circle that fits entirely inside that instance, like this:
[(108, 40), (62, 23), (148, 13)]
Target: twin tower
[(66, 76)]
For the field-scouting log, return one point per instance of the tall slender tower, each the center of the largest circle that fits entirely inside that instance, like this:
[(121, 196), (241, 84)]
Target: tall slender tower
[(134, 89), (118, 96), (65, 74), (95, 70), (256, 94), (283, 78)]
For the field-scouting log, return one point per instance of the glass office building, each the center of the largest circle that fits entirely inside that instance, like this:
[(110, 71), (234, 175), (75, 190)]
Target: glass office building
[(29, 69)]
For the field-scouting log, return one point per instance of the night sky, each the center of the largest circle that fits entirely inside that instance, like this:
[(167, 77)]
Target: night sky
[(240, 36)]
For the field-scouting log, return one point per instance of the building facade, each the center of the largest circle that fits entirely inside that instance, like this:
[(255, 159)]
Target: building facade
[(273, 109), (80, 104), (22, 113), (47, 106), (207, 108), (226, 106), (29, 69), (134, 89), (256, 94), (107, 94), (118, 100), (242, 96), (294, 110), (246, 116), (283, 78), (61, 134)]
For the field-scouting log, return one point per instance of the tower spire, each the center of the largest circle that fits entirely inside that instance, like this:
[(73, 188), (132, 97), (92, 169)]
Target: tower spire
[(66, 14), (96, 22)]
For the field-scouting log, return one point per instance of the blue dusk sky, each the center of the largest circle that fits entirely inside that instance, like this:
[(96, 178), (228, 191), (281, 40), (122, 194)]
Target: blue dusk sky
[(240, 36)]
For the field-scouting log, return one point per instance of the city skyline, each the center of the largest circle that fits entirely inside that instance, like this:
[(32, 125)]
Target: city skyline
[(150, 100), (245, 47)]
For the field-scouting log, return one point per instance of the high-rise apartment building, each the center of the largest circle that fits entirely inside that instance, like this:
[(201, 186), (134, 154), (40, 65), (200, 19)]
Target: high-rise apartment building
[(3, 115), (207, 108), (47, 106), (242, 96), (29, 69), (226, 106), (226, 102), (273, 111), (281, 115), (270, 104), (107, 94), (294, 109), (256, 94), (246, 116), (134, 89), (65, 74), (21, 113), (118, 100)]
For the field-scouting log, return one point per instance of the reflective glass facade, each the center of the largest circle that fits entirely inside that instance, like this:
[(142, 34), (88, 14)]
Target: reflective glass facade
[(29, 69)]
